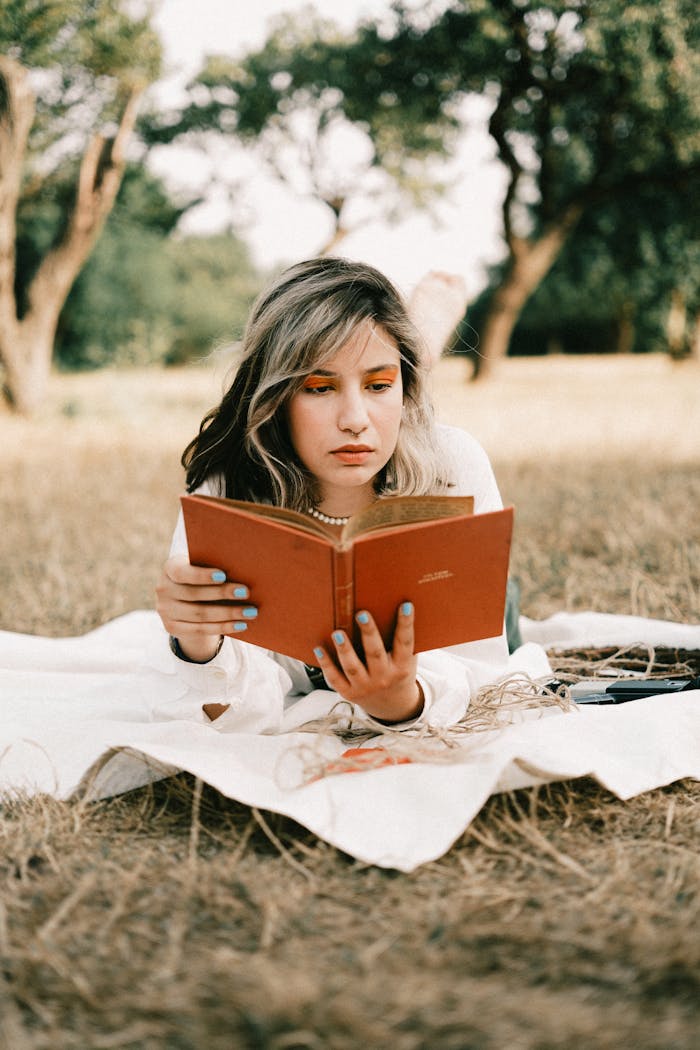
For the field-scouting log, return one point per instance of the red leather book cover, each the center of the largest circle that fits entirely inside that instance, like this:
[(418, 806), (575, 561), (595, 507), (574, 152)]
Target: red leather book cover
[(454, 570)]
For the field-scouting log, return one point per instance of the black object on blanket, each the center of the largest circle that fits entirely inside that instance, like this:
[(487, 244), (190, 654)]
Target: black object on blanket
[(625, 689)]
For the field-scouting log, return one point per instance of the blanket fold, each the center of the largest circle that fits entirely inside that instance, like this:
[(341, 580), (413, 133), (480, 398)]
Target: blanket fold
[(72, 721)]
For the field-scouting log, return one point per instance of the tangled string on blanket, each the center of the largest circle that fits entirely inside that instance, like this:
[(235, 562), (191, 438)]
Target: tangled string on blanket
[(514, 698), (496, 706)]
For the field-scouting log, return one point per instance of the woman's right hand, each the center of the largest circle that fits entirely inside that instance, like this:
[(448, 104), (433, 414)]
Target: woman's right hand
[(198, 606)]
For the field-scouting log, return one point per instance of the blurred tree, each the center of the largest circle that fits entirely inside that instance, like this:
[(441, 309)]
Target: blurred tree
[(295, 103), (214, 287), (125, 289), (607, 292), (71, 76), (589, 103), (146, 294)]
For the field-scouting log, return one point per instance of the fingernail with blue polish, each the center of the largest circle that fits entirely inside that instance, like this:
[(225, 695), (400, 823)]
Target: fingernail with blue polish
[(250, 612), (338, 637), (240, 592), (218, 576), (319, 654), (407, 608), (362, 617), (238, 627)]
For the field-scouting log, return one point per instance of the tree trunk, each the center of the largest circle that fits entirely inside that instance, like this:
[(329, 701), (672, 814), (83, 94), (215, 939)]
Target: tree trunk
[(26, 344), (676, 327), (340, 231), (17, 108), (529, 262), (338, 235), (625, 329), (28, 369)]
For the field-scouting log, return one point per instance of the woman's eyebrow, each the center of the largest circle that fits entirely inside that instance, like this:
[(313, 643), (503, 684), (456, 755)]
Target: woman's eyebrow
[(391, 369), (367, 371)]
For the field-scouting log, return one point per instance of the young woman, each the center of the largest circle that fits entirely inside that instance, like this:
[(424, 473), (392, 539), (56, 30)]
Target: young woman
[(327, 412)]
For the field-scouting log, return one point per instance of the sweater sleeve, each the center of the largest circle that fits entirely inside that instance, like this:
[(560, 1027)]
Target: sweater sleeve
[(178, 544), (243, 678)]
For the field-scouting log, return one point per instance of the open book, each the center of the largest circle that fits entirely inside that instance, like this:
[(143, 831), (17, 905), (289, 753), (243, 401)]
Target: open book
[(307, 579)]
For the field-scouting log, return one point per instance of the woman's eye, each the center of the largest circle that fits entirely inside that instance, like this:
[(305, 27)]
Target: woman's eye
[(381, 380), (318, 385)]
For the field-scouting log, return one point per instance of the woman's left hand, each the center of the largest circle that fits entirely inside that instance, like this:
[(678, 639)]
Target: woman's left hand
[(384, 683)]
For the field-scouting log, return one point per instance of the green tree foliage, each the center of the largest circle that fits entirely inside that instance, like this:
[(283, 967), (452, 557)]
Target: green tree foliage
[(71, 76), (142, 206), (147, 294), (608, 292), (214, 287), (125, 288), (590, 103), (295, 102)]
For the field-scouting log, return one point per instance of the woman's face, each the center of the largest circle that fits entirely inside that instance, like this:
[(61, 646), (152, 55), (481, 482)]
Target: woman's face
[(344, 421)]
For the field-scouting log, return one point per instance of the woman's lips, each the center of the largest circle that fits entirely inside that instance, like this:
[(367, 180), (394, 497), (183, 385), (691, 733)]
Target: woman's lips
[(356, 454)]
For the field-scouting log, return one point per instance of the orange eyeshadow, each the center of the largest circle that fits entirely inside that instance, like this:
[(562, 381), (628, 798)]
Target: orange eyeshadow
[(386, 375)]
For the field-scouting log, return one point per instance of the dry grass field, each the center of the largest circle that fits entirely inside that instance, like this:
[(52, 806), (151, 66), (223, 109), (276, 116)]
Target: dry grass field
[(174, 918)]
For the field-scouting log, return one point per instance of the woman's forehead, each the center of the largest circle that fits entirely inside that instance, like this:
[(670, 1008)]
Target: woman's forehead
[(369, 346)]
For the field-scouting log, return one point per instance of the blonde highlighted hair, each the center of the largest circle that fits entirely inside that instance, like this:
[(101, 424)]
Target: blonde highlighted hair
[(306, 316)]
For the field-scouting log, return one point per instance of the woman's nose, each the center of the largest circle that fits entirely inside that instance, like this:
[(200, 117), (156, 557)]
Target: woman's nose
[(353, 415)]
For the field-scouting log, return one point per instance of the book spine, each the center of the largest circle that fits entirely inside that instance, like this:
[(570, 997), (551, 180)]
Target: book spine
[(344, 590)]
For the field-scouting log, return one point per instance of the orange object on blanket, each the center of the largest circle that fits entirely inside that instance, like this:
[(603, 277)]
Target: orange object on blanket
[(358, 759)]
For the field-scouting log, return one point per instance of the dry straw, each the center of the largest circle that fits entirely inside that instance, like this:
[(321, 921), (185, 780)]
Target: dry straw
[(562, 918)]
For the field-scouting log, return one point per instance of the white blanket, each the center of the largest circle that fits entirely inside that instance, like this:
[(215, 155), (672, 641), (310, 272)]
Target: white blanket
[(72, 719)]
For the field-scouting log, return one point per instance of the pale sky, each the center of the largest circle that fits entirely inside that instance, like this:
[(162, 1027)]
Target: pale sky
[(282, 227)]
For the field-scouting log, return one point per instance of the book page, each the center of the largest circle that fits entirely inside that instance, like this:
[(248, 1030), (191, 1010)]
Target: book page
[(282, 514), (404, 510), (385, 513)]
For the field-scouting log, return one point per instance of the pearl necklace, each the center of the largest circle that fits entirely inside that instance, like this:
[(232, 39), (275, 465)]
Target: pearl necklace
[(326, 518)]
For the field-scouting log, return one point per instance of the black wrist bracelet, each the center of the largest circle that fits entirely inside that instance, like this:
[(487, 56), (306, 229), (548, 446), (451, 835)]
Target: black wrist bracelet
[(175, 648)]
